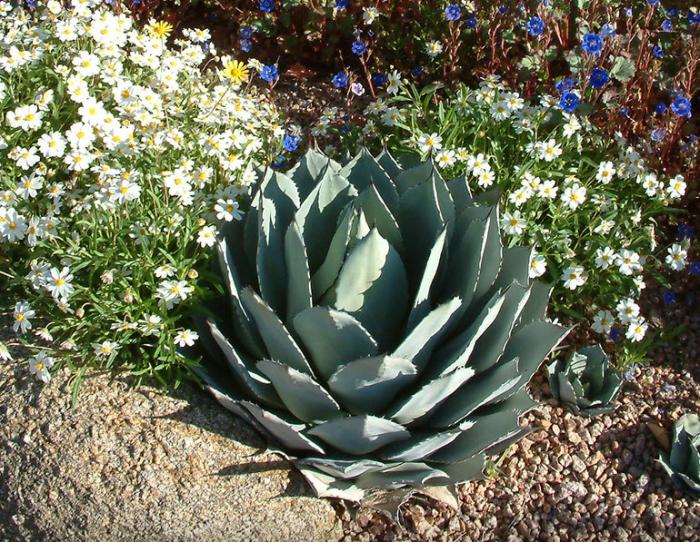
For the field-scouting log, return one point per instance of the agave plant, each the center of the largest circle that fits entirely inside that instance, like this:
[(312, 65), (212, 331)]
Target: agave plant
[(586, 383), (378, 330), (683, 462)]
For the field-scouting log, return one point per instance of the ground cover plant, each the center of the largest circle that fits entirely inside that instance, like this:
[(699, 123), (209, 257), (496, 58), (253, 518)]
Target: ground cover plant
[(119, 160), (633, 65), (588, 204), (381, 333)]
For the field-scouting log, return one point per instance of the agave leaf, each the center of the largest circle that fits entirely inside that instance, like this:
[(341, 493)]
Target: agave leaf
[(414, 176), (360, 230), (233, 236), (309, 169), (328, 487), (533, 343), (469, 469), (444, 198), (243, 324), (378, 215), (412, 474), (567, 394), (420, 342), (488, 198), (372, 286), (488, 429), (536, 306), (387, 502), (251, 233), (429, 397), (515, 267), (461, 195), (389, 164), (254, 384), (333, 338), (421, 303), (271, 270), (318, 215), (457, 352), (467, 255), (300, 393), (693, 485), (299, 281), (359, 435), (280, 344), (483, 389), (327, 273), (421, 222), (342, 468), (504, 444), (692, 468), (680, 446), (364, 171), (446, 494), (213, 379), (367, 385), (491, 344), (419, 446), (553, 370), (287, 432), (492, 256)]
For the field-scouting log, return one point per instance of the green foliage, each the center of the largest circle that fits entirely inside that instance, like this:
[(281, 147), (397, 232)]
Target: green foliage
[(585, 383), (683, 462), (382, 335)]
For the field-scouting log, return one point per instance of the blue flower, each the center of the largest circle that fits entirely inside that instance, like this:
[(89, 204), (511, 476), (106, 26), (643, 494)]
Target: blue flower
[(667, 25), (341, 4), (669, 297), (535, 26), (416, 71), (673, 12), (592, 43), (291, 142), (599, 77), (453, 12), (607, 30), (31, 4), (269, 73), (379, 79), (660, 108), (564, 84), (502, 9), (694, 17), (267, 5), (471, 22), (246, 45), (657, 51), (569, 102), (279, 161), (658, 135), (614, 334), (340, 80), (247, 32), (653, 2), (695, 268), (628, 12), (681, 106), (686, 231), (359, 48), (624, 111)]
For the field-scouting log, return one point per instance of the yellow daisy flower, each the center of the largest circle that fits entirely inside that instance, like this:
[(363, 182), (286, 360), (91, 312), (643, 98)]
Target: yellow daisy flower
[(236, 71), (161, 29)]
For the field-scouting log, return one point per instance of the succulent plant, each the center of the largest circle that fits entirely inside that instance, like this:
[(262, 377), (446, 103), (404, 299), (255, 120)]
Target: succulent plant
[(585, 383), (683, 462), (378, 330)]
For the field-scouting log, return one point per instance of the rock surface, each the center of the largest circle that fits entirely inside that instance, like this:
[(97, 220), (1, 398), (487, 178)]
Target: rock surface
[(137, 465)]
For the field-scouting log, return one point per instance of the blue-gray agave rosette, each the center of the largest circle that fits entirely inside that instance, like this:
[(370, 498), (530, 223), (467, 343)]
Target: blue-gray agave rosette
[(585, 383), (682, 463), (378, 330)]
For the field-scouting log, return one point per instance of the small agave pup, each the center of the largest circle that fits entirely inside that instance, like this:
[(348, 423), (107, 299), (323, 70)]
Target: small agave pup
[(585, 383), (378, 331), (683, 462)]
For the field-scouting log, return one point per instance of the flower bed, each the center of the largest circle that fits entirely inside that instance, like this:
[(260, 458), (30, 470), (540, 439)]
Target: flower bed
[(120, 159)]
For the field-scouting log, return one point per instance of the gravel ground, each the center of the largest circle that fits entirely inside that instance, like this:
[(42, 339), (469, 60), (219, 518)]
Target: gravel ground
[(574, 479)]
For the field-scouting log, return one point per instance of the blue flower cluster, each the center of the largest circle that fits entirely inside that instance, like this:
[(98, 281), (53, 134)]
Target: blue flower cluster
[(535, 26), (592, 43), (453, 12), (267, 5), (598, 78)]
